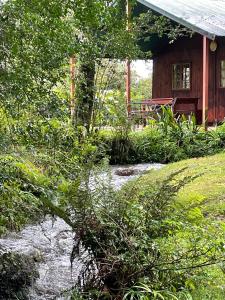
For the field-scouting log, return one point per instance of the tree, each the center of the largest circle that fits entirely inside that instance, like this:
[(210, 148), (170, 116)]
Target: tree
[(33, 50), (39, 37)]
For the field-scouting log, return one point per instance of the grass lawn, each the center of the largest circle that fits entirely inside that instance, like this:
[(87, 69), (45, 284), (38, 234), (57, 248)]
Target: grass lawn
[(204, 197), (207, 190)]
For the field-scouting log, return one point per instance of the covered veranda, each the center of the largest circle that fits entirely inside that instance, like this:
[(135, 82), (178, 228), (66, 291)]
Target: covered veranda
[(200, 19)]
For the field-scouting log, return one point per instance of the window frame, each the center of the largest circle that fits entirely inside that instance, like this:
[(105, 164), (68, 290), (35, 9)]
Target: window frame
[(181, 64), (220, 74)]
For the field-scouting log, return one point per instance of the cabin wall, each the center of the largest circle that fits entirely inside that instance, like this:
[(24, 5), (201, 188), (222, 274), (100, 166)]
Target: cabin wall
[(220, 92), (190, 50), (183, 51)]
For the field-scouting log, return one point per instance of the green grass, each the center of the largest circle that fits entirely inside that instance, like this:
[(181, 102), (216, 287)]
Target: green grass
[(202, 201), (207, 190)]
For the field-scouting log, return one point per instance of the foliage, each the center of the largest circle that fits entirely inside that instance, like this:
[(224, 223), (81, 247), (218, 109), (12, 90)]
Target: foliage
[(47, 163), (38, 38), (110, 103), (39, 158), (40, 132), (130, 237), (18, 272), (200, 202), (196, 210), (141, 88), (167, 139), (144, 292), (21, 186), (5, 133)]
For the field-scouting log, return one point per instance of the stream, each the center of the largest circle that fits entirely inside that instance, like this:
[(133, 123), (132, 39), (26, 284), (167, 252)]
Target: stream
[(51, 242)]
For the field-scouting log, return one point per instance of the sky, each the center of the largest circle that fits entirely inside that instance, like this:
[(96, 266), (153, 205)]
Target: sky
[(142, 67)]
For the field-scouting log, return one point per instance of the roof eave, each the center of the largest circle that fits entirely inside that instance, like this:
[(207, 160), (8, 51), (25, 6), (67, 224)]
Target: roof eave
[(178, 20)]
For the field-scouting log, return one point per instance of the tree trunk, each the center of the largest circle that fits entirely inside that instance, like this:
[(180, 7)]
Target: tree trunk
[(85, 94)]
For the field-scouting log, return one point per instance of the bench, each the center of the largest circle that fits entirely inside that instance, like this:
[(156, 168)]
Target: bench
[(185, 106)]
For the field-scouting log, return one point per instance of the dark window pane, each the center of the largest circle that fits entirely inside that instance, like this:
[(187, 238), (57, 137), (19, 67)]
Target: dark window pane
[(181, 76)]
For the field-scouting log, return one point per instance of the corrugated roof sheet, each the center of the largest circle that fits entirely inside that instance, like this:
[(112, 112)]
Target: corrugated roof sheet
[(206, 17)]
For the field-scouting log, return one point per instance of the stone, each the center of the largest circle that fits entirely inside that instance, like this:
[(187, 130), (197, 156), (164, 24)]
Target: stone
[(126, 172)]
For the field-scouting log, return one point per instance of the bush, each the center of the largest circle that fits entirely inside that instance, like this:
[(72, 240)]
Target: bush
[(137, 238), (18, 272), (21, 187), (163, 141), (151, 145), (5, 134), (40, 132)]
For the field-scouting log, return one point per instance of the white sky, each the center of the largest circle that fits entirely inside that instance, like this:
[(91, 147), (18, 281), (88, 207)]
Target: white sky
[(142, 67)]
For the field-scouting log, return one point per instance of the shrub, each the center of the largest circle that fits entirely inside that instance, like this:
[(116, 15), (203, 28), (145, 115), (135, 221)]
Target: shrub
[(137, 238), (21, 186), (117, 145), (151, 145), (5, 134), (18, 272), (39, 132), (163, 141)]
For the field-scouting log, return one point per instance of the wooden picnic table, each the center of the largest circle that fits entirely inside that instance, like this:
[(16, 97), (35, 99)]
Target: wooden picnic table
[(151, 107)]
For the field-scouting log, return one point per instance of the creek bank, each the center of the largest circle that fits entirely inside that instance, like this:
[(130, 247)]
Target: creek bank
[(50, 243)]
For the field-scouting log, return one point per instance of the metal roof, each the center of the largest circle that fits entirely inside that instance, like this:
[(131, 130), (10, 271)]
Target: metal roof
[(206, 17)]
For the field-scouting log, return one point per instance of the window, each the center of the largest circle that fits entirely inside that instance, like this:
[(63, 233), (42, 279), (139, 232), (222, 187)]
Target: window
[(222, 73), (182, 76)]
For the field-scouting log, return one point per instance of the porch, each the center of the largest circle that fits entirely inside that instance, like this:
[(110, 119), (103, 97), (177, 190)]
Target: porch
[(182, 102), (199, 56)]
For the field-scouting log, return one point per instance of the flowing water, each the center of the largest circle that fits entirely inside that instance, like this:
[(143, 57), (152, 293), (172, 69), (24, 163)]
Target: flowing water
[(51, 242)]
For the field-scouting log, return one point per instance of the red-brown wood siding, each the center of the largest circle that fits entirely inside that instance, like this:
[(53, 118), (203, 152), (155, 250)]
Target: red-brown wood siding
[(220, 92), (189, 50)]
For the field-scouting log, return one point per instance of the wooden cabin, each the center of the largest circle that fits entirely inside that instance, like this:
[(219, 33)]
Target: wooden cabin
[(192, 67)]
